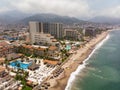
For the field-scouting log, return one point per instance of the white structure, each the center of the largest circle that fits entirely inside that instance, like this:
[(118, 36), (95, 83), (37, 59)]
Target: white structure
[(37, 36), (42, 38), (33, 30)]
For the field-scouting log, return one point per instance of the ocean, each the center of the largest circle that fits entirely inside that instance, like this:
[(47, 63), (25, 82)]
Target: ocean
[(101, 70)]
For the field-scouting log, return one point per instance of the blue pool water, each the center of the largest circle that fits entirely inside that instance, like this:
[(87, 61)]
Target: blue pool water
[(21, 65), (68, 47)]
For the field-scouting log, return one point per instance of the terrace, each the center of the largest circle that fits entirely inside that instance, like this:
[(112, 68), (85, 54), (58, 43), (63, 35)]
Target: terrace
[(8, 83), (40, 74)]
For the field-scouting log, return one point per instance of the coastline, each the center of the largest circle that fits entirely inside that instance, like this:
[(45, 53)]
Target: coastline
[(76, 60)]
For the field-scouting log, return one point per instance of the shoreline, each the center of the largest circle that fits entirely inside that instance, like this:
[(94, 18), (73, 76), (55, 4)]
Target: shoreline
[(77, 60)]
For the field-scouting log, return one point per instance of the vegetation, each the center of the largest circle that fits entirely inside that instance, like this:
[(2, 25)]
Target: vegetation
[(22, 78), (35, 53), (23, 50), (22, 75), (6, 62), (63, 59), (26, 88), (64, 54)]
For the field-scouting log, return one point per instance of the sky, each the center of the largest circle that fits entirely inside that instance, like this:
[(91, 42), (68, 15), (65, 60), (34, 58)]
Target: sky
[(74, 8)]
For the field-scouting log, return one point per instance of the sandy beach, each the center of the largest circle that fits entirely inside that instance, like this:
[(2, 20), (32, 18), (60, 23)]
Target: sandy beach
[(76, 59)]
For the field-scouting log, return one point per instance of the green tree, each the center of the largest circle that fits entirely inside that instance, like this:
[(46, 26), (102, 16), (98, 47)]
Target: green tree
[(6, 62)]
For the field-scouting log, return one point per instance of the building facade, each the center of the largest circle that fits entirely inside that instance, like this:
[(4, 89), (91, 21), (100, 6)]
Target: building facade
[(44, 39), (5, 49), (39, 34), (72, 34), (55, 29), (90, 31)]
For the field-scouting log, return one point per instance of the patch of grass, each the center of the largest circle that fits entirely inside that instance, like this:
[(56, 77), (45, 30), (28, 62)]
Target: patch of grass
[(26, 88)]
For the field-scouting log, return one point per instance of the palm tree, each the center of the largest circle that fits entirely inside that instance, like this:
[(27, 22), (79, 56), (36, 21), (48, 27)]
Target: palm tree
[(22, 58), (46, 53), (26, 74), (35, 60), (27, 59), (18, 65), (6, 62), (63, 53)]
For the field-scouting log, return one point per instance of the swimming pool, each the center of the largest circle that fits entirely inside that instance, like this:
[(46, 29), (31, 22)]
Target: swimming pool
[(19, 64), (68, 47)]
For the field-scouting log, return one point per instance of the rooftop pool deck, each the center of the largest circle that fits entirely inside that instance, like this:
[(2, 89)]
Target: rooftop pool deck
[(19, 64)]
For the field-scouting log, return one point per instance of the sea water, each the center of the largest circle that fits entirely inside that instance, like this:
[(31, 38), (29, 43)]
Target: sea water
[(101, 70)]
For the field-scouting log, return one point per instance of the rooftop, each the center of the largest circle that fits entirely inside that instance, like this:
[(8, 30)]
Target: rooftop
[(52, 48), (51, 62), (2, 68), (33, 66), (2, 60), (3, 43), (54, 40), (27, 46), (39, 46)]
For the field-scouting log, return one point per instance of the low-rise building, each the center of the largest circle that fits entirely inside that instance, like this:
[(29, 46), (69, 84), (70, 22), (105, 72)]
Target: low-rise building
[(37, 51), (51, 62), (53, 52), (2, 60), (3, 72), (5, 48), (44, 39)]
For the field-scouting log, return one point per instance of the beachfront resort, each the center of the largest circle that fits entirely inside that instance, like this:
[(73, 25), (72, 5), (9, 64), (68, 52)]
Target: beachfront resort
[(43, 55)]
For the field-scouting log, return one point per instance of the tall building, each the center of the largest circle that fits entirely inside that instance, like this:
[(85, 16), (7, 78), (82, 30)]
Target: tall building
[(56, 29), (90, 31), (39, 34), (34, 27), (46, 27), (72, 34)]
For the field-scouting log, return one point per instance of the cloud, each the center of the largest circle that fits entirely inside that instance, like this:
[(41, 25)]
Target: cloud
[(3, 9), (76, 8), (111, 12)]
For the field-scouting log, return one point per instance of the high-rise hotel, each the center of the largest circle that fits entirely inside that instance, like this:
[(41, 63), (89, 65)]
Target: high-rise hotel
[(39, 29)]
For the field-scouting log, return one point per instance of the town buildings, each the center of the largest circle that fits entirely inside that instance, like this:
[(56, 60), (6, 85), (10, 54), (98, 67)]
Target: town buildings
[(5, 48), (6, 81)]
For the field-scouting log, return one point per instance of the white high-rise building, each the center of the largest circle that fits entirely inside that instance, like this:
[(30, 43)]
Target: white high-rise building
[(33, 30), (38, 36)]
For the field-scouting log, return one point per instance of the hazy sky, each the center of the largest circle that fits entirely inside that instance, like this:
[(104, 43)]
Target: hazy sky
[(76, 8)]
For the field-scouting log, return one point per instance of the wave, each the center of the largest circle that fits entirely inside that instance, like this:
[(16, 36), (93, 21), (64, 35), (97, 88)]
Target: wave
[(81, 67), (98, 76)]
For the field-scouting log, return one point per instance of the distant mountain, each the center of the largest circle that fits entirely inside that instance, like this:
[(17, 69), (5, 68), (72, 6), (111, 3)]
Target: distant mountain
[(16, 17), (12, 16), (51, 18), (102, 19)]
